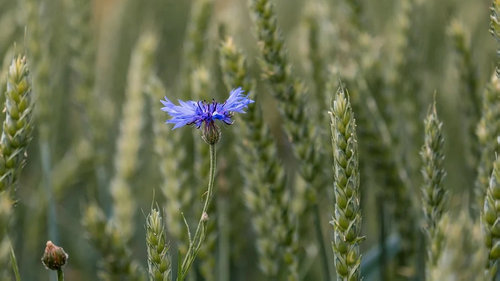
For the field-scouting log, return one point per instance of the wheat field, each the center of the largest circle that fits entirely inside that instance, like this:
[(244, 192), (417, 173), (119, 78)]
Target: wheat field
[(218, 140)]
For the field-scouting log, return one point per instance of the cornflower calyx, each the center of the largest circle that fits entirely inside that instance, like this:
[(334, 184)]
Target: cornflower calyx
[(211, 133), (203, 113)]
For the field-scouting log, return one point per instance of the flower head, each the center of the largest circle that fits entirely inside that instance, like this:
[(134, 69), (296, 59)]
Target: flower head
[(202, 112)]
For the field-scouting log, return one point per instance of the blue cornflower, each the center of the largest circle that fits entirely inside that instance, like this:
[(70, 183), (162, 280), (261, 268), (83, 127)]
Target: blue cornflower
[(202, 113)]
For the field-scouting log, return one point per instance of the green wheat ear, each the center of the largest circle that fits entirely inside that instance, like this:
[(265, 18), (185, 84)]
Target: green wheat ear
[(117, 262), (17, 127), (129, 139), (265, 193), (471, 107), (463, 254), (160, 268), (317, 63), (491, 221), (495, 26), (347, 216), (195, 42), (4, 70), (82, 49), (466, 65), (291, 94), (432, 190), (258, 189), (300, 127), (487, 132), (16, 135)]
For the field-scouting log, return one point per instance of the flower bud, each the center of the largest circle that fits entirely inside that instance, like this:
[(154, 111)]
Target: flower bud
[(54, 257), (211, 133), (204, 217)]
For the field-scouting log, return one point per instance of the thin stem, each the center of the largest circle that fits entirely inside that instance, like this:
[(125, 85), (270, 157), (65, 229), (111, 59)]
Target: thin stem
[(382, 238), (224, 245), (13, 262), (199, 235), (60, 275), (321, 241)]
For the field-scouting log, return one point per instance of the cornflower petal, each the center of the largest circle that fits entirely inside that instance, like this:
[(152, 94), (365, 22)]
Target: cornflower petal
[(236, 102), (182, 114), (197, 113)]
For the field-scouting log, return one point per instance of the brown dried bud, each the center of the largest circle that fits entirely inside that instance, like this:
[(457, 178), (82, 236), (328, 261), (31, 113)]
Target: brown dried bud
[(54, 257)]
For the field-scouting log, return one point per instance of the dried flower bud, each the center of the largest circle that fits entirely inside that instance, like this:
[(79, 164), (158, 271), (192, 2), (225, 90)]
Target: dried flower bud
[(54, 257)]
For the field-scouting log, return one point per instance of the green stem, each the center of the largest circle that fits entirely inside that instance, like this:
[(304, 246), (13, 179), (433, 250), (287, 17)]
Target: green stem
[(382, 239), (13, 262), (224, 245), (199, 236), (321, 241), (60, 275)]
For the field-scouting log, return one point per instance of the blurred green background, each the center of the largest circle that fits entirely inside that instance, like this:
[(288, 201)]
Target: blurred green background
[(50, 207)]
